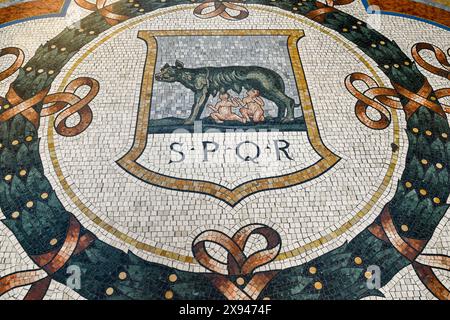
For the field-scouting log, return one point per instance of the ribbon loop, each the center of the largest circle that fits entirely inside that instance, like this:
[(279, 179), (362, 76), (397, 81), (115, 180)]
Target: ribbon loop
[(67, 102), (104, 10), (76, 105), (380, 98), (237, 262), (213, 8), (439, 55), (20, 57), (369, 98)]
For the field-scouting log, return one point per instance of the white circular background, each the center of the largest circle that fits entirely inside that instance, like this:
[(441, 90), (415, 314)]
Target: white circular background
[(170, 219)]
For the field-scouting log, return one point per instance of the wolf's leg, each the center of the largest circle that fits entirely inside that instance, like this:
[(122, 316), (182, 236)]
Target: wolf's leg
[(285, 106), (279, 98), (200, 99), (290, 109)]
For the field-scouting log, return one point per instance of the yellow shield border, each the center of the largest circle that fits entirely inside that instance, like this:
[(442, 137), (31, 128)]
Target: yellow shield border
[(230, 196)]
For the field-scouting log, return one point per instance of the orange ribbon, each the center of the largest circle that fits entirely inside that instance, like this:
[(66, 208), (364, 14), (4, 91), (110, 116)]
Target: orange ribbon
[(67, 102), (20, 57), (322, 9), (238, 264), (219, 8), (375, 97), (440, 57), (411, 249), (380, 98), (49, 263), (105, 11)]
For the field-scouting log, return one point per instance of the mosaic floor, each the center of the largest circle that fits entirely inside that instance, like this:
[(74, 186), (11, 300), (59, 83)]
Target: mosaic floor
[(242, 150)]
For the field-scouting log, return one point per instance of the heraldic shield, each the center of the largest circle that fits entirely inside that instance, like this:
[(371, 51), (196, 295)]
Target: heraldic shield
[(201, 107)]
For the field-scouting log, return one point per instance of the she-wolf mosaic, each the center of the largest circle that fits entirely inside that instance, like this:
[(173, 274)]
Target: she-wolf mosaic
[(224, 150)]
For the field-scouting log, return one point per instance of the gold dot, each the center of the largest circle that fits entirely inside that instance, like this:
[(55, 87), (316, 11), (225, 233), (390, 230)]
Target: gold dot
[(344, 29), (428, 133), (368, 274), (318, 285), (173, 278), (354, 27), (240, 281), (313, 270), (439, 165), (396, 66), (91, 32), (404, 228), (415, 130), (294, 8), (15, 214), (28, 138), (40, 71), (408, 184), (122, 275), (63, 49), (28, 69), (81, 30), (373, 45), (44, 195), (436, 200), (266, 298), (386, 66), (22, 172), (358, 260), (109, 291), (136, 5), (168, 295), (1, 145), (130, 1), (432, 98), (382, 42), (30, 204), (52, 46), (423, 192), (53, 242), (424, 161), (141, 10), (8, 177), (15, 142), (407, 63), (359, 22), (444, 135), (50, 72), (6, 106)]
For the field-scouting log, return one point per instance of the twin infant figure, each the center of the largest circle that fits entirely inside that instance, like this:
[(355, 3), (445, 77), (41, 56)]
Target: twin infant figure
[(252, 108)]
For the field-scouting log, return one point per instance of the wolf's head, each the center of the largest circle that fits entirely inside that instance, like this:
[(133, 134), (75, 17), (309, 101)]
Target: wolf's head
[(170, 73)]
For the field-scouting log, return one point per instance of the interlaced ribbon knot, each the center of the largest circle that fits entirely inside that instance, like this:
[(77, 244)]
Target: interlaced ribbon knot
[(380, 98), (104, 10), (213, 8), (67, 103), (238, 263)]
